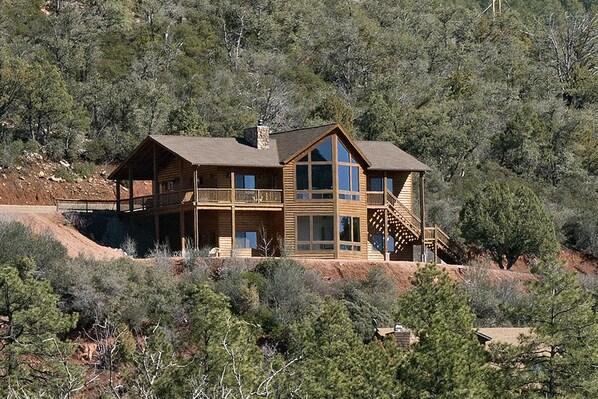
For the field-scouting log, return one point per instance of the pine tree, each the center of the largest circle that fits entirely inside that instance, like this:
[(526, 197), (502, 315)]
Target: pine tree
[(447, 361), (34, 362), (559, 357)]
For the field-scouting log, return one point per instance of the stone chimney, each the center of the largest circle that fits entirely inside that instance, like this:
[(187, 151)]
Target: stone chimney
[(259, 136), (403, 337)]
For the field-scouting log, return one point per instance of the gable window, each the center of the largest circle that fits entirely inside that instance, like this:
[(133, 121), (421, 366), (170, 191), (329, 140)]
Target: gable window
[(349, 233), (315, 233), (313, 173), (348, 174), (246, 239)]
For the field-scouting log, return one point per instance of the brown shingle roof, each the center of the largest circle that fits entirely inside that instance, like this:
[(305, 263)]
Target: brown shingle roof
[(230, 151), (291, 142), (220, 151), (384, 155), (505, 335)]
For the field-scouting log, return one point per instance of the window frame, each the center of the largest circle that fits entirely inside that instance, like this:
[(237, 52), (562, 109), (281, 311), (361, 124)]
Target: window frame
[(306, 160), (354, 245), (244, 239), (312, 245)]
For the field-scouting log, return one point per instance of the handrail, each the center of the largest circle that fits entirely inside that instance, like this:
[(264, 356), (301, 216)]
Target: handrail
[(408, 218)]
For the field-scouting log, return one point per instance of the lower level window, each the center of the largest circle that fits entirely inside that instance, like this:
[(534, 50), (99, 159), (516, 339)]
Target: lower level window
[(349, 233), (378, 243), (246, 239), (315, 233)]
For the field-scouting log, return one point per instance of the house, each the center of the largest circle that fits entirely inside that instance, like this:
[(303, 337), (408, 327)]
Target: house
[(312, 192)]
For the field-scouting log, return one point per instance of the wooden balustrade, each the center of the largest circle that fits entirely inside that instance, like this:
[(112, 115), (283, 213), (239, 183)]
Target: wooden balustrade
[(375, 198)]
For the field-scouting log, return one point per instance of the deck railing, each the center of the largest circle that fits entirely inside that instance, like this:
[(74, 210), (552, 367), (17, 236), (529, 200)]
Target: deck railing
[(204, 195)]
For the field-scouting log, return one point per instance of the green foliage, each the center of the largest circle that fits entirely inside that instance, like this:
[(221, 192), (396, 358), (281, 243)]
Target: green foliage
[(335, 363), (18, 241), (33, 358), (447, 361), (508, 221), (558, 358)]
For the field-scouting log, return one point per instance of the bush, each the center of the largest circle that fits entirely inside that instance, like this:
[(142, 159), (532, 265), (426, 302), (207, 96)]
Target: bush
[(18, 241), (84, 169)]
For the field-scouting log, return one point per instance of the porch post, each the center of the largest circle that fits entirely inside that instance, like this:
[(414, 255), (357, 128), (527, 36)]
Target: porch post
[(232, 210), (182, 209), (384, 185), (195, 211), (130, 191), (118, 195), (155, 195), (422, 215)]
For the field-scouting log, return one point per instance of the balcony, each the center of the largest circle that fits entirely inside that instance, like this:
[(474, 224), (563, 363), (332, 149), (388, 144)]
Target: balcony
[(205, 197)]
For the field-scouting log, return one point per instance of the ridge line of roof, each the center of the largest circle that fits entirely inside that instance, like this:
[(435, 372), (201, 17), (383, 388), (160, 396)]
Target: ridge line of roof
[(304, 128)]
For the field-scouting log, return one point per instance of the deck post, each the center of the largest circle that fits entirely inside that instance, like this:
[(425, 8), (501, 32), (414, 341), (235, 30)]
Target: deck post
[(384, 185), (232, 210), (155, 195), (182, 229), (195, 211), (422, 215), (118, 195), (130, 191), (435, 244)]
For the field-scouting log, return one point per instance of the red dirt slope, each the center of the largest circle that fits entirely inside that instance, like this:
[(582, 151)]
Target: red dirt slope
[(55, 224)]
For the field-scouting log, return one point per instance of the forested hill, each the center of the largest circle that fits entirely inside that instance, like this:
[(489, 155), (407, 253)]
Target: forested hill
[(476, 95)]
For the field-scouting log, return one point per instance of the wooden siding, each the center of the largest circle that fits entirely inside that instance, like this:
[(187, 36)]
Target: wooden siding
[(403, 188)]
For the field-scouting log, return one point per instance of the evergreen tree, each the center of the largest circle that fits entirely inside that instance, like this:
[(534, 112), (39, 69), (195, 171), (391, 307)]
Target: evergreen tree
[(508, 221), (34, 362), (559, 357), (447, 361)]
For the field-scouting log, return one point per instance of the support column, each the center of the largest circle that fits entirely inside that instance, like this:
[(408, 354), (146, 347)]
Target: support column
[(386, 254), (118, 195), (182, 229), (233, 198), (384, 188), (422, 215), (195, 211), (155, 194), (435, 244), (130, 192)]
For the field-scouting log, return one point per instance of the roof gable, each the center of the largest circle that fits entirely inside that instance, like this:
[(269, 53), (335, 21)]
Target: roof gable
[(293, 143)]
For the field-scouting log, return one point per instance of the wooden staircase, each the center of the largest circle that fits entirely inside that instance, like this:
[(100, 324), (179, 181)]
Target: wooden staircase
[(405, 228)]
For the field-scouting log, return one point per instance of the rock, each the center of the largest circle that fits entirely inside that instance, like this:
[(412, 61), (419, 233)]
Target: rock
[(22, 177), (41, 174), (65, 164), (4, 176), (56, 179), (103, 173)]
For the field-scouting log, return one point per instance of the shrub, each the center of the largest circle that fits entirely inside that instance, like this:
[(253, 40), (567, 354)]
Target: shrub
[(84, 169)]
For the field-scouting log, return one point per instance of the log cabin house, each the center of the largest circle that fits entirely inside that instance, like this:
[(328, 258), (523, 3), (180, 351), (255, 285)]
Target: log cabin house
[(312, 192)]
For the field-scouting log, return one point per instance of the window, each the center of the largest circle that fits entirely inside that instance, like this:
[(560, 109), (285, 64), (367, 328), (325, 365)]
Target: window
[(349, 233), (348, 174), (314, 172), (315, 233), (246, 239), (378, 242), (376, 184), (245, 181)]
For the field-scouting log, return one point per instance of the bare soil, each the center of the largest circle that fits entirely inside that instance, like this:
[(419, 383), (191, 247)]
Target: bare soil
[(57, 225), (34, 183)]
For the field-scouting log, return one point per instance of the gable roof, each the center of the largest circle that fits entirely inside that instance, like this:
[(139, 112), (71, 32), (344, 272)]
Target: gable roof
[(384, 155), (220, 151), (284, 146)]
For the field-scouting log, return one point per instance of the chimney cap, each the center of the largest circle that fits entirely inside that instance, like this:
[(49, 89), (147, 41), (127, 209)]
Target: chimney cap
[(260, 122)]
